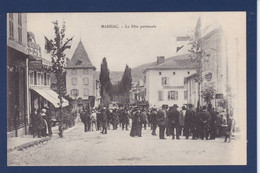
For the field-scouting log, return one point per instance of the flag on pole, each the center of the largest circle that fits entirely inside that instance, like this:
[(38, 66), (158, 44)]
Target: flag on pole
[(67, 44), (198, 30), (179, 48), (48, 44)]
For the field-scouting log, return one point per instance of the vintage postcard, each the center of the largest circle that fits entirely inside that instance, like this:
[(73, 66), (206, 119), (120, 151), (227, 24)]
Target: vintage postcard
[(126, 88)]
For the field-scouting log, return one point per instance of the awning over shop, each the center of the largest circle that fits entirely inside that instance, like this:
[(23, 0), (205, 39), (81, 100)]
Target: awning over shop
[(51, 96)]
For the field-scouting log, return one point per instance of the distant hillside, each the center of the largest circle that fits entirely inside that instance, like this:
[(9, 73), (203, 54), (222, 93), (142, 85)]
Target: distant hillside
[(137, 72), (115, 76)]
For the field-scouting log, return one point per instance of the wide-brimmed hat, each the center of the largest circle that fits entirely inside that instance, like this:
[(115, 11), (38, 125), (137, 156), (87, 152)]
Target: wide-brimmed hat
[(175, 106)]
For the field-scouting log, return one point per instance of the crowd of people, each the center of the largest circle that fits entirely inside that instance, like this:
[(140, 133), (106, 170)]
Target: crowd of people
[(41, 123), (43, 119), (103, 118), (202, 123)]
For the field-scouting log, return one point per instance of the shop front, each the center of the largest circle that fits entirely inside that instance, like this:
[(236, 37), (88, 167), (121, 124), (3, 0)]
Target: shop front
[(17, 113)]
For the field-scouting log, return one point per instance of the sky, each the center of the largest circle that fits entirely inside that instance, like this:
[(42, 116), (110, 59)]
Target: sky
[(132, 46)]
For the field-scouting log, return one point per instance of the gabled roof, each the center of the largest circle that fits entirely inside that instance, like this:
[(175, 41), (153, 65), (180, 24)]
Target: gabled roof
[(182, 62), (190, 77), (80, 58)]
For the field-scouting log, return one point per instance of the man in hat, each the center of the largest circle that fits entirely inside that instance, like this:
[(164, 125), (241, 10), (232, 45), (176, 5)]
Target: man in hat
[(154, 121), (93, 119), (181, 119), (161, 120), (213, 122), (49, 121), (144, 118), (173, 120), (189, 122), (104, 120), (115, 119), (205, 119), (125, 119), (45, 129)]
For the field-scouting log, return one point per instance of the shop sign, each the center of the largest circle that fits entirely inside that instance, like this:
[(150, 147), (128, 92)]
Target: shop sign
[(219, 96), (35, 65), (173, 87)]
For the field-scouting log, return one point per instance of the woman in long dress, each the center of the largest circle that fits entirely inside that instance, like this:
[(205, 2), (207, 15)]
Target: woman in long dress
[(136, 129)]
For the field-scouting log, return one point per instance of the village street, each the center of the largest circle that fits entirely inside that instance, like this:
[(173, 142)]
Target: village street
[(78, 148)]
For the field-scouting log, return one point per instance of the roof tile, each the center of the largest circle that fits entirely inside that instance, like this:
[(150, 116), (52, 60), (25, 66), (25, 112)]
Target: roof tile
[(80, 58)]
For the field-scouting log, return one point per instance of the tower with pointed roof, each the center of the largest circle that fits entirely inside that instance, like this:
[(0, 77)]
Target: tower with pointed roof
[(81, 80)]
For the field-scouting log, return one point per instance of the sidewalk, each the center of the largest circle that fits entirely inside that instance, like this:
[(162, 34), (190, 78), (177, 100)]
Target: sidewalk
[(25, 141), (18, 143)]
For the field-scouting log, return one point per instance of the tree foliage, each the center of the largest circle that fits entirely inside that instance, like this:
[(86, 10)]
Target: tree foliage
[(197, 54), (104, 78), (126, 83), (56, 48), (208, 94)]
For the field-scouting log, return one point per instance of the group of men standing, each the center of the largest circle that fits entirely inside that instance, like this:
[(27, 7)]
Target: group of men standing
[(41, 123), (103, 117), (199, 124), (189, 122)]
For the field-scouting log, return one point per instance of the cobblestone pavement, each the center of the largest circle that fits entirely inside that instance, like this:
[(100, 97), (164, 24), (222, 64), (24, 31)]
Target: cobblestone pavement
[(78, 148)]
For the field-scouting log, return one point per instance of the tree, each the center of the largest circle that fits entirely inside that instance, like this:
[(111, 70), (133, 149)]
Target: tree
[(197, 55), (104, 80), (208, 93), (56, 48), (125, 84)]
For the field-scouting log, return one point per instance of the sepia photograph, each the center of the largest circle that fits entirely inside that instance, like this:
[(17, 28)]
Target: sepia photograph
[(126, 88)]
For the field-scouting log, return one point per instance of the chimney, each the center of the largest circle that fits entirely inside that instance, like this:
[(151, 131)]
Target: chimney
[(160, 60)]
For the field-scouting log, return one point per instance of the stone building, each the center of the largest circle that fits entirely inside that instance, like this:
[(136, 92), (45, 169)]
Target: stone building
[(81, 78), (214, 69), (164, 82), (41, 95), (17, 78)]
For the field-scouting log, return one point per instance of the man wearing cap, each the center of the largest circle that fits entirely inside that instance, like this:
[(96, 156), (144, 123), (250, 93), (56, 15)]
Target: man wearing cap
[(161, 120)]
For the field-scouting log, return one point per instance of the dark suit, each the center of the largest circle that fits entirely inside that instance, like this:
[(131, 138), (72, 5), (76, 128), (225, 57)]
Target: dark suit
[(161, 120), (189, 123), (173, 120), (153, 121), (104, 122), (213, 124), (205, 118), (136, 129)]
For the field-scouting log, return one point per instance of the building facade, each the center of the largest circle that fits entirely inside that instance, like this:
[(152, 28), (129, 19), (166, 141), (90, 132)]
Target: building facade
[(81, 79), (137, 92), (17, 78), (214, 69), (164, 82), (40, 94)]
